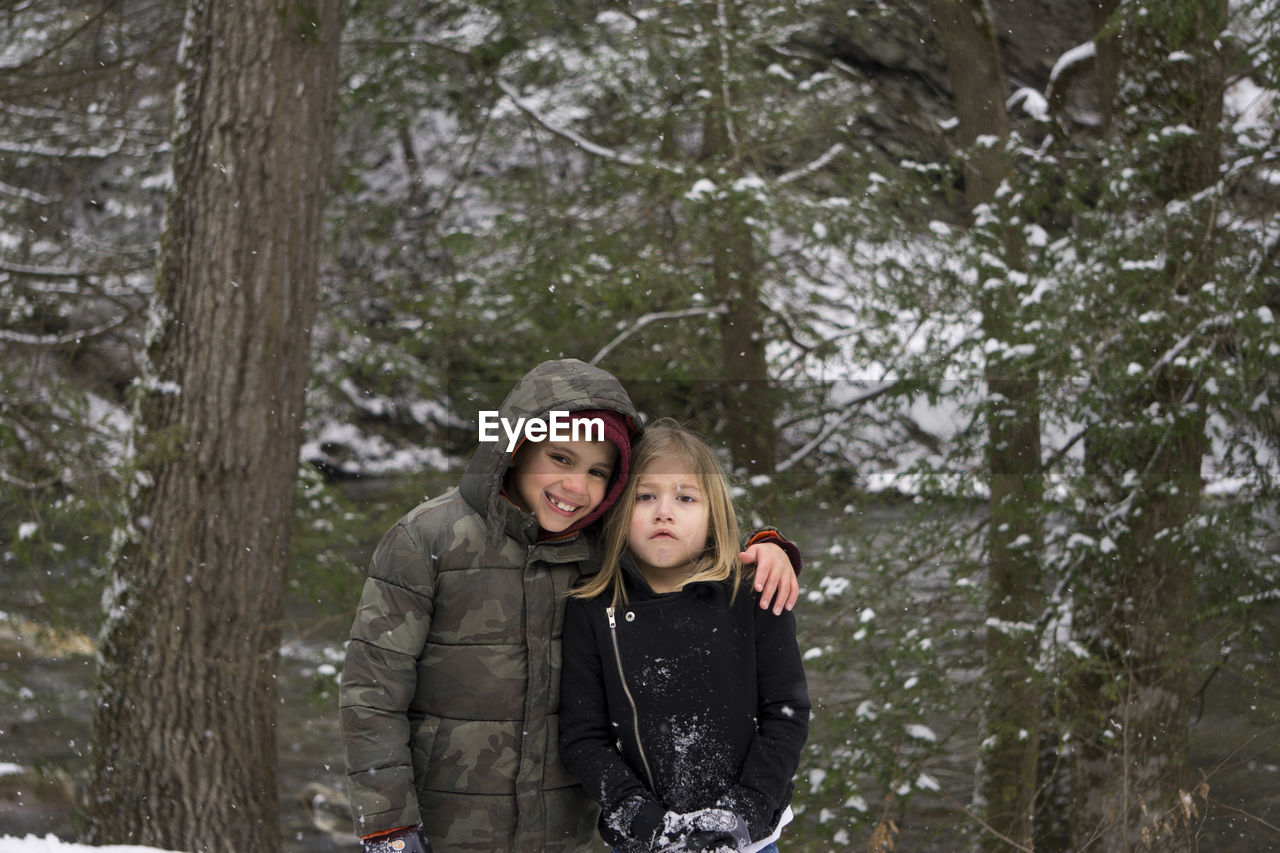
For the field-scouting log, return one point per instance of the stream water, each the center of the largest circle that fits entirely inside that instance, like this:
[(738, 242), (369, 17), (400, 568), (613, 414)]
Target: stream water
[(45, 703)]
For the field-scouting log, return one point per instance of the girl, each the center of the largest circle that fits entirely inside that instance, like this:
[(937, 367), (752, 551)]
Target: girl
[(683, 705)]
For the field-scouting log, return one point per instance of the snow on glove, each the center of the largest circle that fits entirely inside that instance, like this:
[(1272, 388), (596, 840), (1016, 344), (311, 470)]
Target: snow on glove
[(703, 830), (407, 839)]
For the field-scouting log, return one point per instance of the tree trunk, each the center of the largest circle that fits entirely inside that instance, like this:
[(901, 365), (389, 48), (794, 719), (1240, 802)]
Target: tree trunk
[(1133, 764), (1005, 784), (184, 750), (749, 430), (1133, 770), (1107, 45)]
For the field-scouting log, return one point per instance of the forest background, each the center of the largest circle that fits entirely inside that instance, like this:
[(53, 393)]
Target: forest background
[(979, 298)]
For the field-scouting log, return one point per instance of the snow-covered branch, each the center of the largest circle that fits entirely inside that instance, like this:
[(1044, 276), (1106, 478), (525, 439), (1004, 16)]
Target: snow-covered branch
[(722, 28), (1071, 59), (816, 165), (1029, 101), (577, 138), (1039, 105), (24, 193), (1069, 66), (655, 317), (850, 409), (10, 337), (42, 272), (88, 152)]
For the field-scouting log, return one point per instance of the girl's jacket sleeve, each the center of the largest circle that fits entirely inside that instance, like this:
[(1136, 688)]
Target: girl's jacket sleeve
[(630, 815), (764, 786), (379, 678)]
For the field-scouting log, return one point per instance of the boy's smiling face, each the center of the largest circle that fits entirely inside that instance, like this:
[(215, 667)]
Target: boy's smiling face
[(560, 482)]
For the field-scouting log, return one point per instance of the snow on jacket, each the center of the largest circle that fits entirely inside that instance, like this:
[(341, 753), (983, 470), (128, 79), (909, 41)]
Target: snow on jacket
[(451, 685), (682, 701)]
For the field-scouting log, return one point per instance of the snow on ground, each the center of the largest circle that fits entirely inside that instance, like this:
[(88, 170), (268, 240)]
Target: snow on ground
[(51, 844)]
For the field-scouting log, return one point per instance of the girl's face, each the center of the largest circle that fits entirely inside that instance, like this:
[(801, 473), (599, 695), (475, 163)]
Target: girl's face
[(560, 482), (669, 520)]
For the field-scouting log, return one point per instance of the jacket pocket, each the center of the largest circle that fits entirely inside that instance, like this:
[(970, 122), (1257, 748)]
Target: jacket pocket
[(422, 742)]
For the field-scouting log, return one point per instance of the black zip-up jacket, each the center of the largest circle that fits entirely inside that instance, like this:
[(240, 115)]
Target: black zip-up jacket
[(681, 701)]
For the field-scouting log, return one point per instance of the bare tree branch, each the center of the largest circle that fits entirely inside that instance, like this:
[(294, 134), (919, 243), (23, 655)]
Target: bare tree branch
[(23, 339), (655, 317), (89, 152), (24, 193), (850, 409), (579, 140), (42, 272)]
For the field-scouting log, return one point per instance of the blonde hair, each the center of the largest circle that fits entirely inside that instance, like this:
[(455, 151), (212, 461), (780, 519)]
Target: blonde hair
[(719, 561)]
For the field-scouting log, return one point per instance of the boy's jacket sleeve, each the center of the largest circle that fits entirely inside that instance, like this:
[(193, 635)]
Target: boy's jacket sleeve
[(379, 678), (774, 535)]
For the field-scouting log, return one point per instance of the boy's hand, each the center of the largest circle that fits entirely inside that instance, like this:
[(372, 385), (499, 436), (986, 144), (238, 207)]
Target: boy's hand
[(775, 577)]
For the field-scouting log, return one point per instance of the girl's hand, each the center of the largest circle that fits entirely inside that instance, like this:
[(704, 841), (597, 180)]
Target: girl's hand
[(775, 578)]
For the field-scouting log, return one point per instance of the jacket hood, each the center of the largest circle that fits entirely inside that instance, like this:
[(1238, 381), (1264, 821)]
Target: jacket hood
[(565, 385)]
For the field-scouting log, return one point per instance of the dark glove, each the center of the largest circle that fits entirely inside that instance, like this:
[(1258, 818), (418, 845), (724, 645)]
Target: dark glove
[(703, 830), (406, 840)]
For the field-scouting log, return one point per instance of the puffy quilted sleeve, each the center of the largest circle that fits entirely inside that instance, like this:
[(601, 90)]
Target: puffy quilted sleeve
[(379, 678)]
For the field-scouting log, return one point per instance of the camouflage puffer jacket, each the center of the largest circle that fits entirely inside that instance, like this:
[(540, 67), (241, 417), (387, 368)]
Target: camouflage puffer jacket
[(450, 690)]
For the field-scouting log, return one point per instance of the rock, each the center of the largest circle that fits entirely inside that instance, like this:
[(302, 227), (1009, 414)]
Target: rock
[(330, 810), (20, 637), (34, 801)]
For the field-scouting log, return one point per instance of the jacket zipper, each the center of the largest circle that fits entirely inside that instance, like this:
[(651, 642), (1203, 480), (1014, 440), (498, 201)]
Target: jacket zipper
[(635, 714)]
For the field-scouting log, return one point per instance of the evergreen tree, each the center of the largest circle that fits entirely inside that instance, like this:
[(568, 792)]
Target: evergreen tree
[(83, 112), (1005, 787), (1159, 269)]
